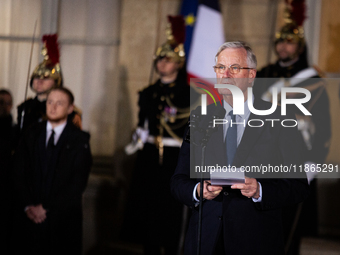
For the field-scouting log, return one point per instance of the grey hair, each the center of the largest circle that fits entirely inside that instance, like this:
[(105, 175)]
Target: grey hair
[(251, 58)]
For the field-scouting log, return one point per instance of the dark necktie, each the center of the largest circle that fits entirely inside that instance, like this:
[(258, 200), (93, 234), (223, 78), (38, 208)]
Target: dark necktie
[(231, 139), (50, 143), (48, 169)]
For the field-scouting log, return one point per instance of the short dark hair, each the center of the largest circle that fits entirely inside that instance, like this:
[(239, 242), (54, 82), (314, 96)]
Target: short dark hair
[(5, 92), (65, 91)]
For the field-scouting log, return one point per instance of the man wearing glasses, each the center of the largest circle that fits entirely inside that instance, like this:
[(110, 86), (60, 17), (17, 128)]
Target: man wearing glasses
[(242, 218)]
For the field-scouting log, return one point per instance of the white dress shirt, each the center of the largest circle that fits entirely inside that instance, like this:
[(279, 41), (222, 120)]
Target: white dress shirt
[(57, 131)]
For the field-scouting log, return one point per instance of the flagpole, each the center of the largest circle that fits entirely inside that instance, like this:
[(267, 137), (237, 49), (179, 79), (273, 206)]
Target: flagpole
[(272, 28), (28, 76), (158, 22)]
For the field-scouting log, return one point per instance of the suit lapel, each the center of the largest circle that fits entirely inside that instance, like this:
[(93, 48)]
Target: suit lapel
[(216, 149), (250, 136), (63, 136), (41, 150), (218, 146), (42, 143)]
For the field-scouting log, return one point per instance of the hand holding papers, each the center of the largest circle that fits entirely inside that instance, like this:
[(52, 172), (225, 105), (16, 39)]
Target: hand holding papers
[(228, 177)]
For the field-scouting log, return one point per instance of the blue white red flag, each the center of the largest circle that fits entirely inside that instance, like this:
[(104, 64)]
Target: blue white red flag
[(206, 37)]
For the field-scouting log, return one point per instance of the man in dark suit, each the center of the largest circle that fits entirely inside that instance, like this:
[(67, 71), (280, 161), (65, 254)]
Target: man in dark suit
[(6, 149), (52, 167), (242, 218)]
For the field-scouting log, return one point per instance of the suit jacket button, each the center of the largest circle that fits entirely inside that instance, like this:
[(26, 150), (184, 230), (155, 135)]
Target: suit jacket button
[(220, 217), (225, 193)]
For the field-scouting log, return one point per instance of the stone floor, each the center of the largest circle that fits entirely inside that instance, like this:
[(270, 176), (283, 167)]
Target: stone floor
[(308, 247), (313, 246)]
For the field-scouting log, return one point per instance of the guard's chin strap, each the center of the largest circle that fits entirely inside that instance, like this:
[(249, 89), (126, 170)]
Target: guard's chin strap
[(288, 63)]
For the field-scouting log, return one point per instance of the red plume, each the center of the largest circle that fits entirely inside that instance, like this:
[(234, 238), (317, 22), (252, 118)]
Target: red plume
[(178, 28), (51, 42), (298, 12)]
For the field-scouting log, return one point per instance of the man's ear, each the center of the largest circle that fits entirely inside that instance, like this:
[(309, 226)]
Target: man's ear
[(252, 75), (70, 109)]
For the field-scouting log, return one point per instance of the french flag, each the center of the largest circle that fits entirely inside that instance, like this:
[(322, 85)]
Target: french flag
[(204, 35)]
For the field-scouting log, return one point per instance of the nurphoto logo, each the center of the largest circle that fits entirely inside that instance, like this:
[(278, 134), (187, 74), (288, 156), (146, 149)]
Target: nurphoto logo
[(238, 100)]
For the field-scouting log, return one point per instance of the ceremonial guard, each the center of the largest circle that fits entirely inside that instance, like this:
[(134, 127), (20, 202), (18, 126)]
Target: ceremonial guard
[(292, 69), (46, 75), (164, 107)]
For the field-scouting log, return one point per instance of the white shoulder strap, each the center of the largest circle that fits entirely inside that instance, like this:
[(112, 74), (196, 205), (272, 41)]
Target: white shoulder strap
[(294, 80)]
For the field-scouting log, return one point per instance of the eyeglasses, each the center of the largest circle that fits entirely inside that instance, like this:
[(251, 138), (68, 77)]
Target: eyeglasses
[(233, 69)]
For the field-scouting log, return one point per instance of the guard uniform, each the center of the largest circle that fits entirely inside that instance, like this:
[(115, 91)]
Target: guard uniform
[(320, 126), (165, 107), (153, 217), (315, 130)]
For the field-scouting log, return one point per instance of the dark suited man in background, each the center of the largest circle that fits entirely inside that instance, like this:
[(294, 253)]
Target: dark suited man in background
[(52, 167), (6, 149), (242, 218)]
